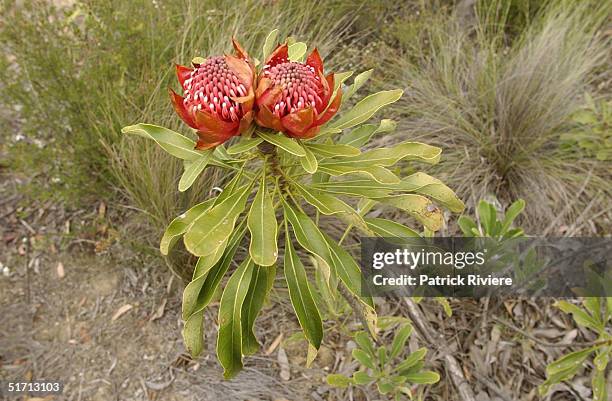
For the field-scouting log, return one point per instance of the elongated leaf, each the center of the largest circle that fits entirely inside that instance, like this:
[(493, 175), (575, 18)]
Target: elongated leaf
[(283, 142), (329, 205), (243, 145), (363, 358), (339, 381), (297, 51), (570, 361), (309, 162), (427, 377), (229, 339), (580, 316), (411, 360), (353, 188), (263, 227), (172, 142), (307, 233), (358, 82), (362, 135), (390, 229), (207, 274), (362, 378), (332, 150), (193, 334), (301, 297), (598, 383), (261, 283), (366, 108), (214, 276), (419, 207), (211, 229), (365, 343), (399, 341), (378, 173), (511, 213), (269, 44), (179, 225), (389, 156), (348, 270), (193, 170)]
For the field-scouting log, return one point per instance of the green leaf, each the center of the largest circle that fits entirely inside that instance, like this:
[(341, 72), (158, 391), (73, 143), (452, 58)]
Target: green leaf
[(348, 270), (511, 213), (307, 233), (212, 278), (362, 378), (332, 150), (363, 358), (385, 387), (340, 381), (419, 207), (172, 142), (580, 316), (309, 162), (387, 157), (603, 357), (443, 195), (362, 339), (362, 135), (378, 173), (427, 377), (467, 225), (411, 360), (573, 360), (263, 227), (211, 229), (488, 217), (297, 51), (600, 392), (382, 355), (366, 108), (390, 229), (261, 283), (445, 305), (283, 142), (358, 82), (179, 225), (329, 205), (193, 334), (243, 145), (399, 341), (269, 44), (193, 169), (229, 339), (353, 188), (301, 296)]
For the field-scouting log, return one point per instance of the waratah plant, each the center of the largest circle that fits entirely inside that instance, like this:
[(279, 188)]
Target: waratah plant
[(292, 148)]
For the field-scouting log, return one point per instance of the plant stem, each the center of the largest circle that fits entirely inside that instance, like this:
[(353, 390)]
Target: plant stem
[(358, 308)]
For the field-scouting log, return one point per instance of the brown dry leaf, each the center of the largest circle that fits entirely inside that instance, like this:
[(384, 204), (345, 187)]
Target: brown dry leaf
[(121, 311), (60, 270), (84, 334), (274, 344), (283, 362), (159, 312), (102, 210)]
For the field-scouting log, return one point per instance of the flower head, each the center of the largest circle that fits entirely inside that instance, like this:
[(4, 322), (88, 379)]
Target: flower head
[(218, 97), (294, 97)]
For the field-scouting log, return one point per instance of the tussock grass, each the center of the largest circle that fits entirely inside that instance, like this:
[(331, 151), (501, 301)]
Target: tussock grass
[(497, 107)]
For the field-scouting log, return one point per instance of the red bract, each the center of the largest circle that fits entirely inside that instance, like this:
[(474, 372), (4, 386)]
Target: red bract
[(218, 97), (294, 97)]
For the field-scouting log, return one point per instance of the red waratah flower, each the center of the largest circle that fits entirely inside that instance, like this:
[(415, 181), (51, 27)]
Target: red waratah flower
[(218, 97), (294, 97)]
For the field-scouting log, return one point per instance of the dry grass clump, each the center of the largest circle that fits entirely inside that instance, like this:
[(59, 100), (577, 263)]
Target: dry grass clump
[(497, 107)]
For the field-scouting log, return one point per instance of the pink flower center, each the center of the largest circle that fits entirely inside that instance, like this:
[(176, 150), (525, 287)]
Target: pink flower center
[(301, 87), (212, 86)]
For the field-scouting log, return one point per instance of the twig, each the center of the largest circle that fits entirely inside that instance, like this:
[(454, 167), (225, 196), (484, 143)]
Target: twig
[(358, 308), (452, 366)]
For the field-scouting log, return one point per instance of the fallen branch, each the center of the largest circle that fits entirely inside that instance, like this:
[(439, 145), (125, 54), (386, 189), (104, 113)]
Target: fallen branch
[(451, 364)]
